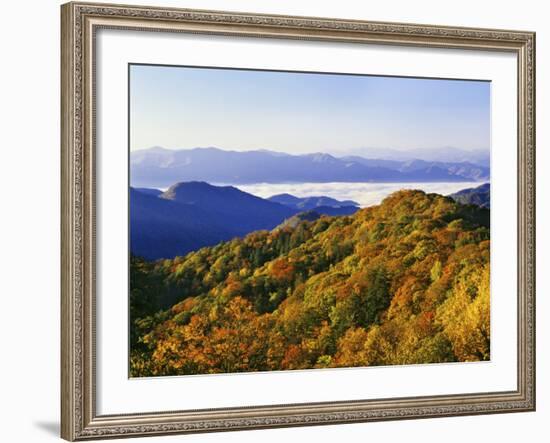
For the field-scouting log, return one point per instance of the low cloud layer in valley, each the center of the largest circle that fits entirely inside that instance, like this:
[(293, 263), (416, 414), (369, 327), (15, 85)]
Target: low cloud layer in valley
[(366, 194)]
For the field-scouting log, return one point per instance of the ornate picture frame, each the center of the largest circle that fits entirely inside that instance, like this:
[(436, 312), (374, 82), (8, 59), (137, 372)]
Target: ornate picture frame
[(80, 23)]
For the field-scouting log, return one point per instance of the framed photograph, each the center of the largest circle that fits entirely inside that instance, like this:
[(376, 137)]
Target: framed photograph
[(283, 221)]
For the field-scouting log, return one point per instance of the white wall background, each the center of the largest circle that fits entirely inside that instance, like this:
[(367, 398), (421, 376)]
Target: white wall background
[(29, 225)]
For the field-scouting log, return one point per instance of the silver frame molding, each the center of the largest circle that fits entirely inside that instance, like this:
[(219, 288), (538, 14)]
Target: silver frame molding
[(79, 22)]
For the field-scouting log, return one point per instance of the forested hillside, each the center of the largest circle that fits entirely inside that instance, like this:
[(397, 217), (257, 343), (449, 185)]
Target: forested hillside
[(403, 282)]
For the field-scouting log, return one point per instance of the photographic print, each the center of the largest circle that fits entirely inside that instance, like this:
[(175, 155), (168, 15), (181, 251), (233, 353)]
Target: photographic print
[(300, 220)]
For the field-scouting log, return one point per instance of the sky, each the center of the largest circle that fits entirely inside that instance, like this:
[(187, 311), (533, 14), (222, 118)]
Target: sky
[(182, 107)]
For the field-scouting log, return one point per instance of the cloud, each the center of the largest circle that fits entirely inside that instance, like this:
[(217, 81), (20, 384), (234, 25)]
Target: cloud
[(366, 194)]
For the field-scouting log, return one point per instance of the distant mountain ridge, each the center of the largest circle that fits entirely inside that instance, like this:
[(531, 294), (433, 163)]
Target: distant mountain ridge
[(431, 169), (447, 154), (479, 196), (306, 203), (159, 167)]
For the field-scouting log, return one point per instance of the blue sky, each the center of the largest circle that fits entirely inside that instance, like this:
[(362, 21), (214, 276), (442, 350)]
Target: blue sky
[(179, 107)]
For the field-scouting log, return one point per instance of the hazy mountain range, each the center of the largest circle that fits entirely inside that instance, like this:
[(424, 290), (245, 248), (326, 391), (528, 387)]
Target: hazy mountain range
[(159, 167), (307, 203), (446, 154)]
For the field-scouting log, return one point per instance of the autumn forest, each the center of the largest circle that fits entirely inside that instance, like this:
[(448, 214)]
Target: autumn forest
[(402, 282)]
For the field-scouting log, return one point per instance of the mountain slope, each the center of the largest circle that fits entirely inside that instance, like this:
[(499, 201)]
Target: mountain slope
[(404, 282), (295, 220), (336, 210), (480, 196), (162, 228), (318, 212), (239, 211)]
